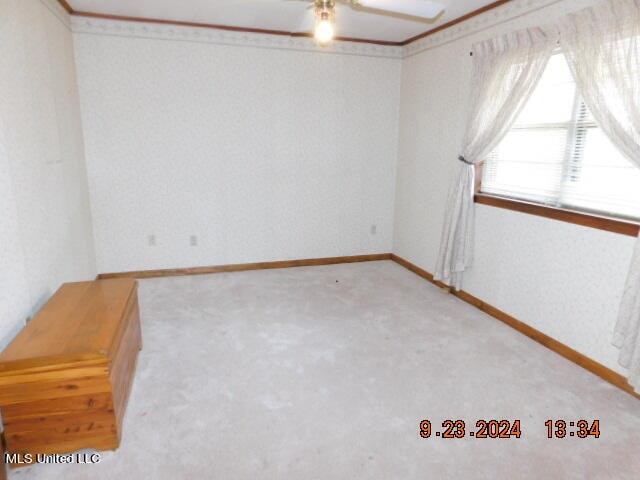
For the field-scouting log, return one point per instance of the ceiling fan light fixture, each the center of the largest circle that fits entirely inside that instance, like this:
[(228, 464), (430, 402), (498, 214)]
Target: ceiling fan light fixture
[(324, 31)]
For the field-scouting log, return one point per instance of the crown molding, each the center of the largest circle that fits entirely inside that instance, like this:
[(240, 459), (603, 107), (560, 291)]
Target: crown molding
[(58, 10), (475, 22), (486, 17), (455, 21), (134, 28), (230, 28), (66, 6)]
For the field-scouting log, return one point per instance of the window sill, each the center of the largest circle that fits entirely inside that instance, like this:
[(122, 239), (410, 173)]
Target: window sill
[(570, 216)]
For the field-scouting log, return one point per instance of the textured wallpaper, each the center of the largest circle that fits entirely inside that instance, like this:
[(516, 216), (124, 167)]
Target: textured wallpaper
[(260, 153), (45, 223), (562, 279)]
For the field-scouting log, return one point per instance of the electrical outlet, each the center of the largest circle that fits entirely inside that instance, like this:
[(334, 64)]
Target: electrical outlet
[(374, 229), (152, 240), (194, 240)]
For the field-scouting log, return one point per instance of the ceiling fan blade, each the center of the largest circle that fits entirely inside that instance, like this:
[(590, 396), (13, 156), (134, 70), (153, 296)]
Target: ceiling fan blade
[(414, 8), (308, 22)]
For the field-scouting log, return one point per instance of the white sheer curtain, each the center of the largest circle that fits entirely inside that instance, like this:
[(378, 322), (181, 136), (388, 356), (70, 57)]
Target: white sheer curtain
[(506, 69), (602, 45), (627, 332)]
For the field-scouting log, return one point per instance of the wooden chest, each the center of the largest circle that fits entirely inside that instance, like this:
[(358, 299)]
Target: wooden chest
[(65, 379)]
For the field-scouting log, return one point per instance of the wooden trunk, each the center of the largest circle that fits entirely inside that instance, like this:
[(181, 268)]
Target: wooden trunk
[(65, 379)]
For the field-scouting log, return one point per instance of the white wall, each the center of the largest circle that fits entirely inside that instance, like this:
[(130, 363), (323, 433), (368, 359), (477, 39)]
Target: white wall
[(262, 153), (45, 222), (563, 279)]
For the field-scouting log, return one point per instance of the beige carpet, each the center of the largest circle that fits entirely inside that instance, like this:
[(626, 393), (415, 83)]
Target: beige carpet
[(326, 372)]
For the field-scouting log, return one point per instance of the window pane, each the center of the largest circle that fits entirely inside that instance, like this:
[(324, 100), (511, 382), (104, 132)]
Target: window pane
[(607, 182), (553, 99), (556, 154), (527, 164)]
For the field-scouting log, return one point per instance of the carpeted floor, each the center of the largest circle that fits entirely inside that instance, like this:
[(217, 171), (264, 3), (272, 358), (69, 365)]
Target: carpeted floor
[(326, 373)]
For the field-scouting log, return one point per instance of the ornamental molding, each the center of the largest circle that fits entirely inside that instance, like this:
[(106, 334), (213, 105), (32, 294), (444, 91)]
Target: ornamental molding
[(150, 30), (136, 29), (57, 9), (503, 13)]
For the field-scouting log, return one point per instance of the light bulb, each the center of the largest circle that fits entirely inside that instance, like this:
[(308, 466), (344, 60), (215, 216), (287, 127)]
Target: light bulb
[(324, 29)]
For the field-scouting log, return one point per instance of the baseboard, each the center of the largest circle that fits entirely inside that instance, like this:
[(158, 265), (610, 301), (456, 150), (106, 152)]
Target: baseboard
[(570, 354), (242, 267)]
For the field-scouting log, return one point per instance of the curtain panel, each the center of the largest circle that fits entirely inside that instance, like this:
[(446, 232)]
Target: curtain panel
[(506, 70), (602, 46)]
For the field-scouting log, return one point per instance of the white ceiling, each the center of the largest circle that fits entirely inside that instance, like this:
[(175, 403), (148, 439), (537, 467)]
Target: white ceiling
[(285, 15)]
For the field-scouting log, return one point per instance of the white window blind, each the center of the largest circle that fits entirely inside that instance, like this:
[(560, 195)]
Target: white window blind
[(556, 155)]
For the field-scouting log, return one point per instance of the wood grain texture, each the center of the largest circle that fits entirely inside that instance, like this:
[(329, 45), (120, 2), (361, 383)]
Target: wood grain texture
[(241, 267), (66, 378), (570, 216), (455, 21), (3, 466), (570, 354), (92, 313)]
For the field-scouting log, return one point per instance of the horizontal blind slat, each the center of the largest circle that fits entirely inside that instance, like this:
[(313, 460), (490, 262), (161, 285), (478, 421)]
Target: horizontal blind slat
[(556, 157)]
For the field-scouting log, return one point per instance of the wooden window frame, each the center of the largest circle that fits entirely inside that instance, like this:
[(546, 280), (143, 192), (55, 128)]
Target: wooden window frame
[(565, 214), (586, 219)]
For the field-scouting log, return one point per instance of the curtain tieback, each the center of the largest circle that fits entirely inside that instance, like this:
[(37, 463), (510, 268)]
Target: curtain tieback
[(462, 159)]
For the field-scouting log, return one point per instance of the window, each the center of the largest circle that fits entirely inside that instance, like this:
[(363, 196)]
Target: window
[(556, 155)]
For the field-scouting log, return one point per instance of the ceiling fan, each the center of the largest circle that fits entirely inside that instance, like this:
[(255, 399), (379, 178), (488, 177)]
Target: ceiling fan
[(324, 13)]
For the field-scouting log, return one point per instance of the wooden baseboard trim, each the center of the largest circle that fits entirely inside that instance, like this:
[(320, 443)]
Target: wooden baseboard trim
[(242, 267), (570, 354)]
